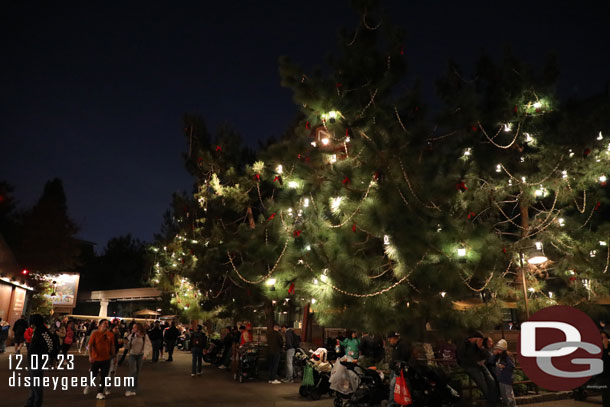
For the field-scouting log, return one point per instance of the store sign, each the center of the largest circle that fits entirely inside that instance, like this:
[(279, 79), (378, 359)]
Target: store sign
[(65, 289)]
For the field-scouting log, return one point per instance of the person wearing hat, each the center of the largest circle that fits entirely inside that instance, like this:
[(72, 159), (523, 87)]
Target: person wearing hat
[(471, 356), (503, 366), (401, 353)]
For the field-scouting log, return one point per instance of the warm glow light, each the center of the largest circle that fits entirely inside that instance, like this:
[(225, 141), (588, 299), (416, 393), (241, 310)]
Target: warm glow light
[(333, 159), (293, 184), (313, 300), (531, 289), (600, 136), (335, 203), (593, 253), (564, 174), (528, 138), (313, 143), (325, 141), (603, 178), (508, 127), (270, 282), (386, 240), (602, 243), (324, 278), (306, 202), (467, 152), (315, 281), (443, 294), (499, 168), (279, 169), (561, 221), (461, 251), (537, 105)]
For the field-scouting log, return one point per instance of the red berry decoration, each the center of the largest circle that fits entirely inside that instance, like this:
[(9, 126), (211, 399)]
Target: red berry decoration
[(257, 177), (338, 85), (307, 125), (474, 127), (218, 148), (272, 216), (515, 109), (291, 288), (471, 215), (586, 152), (345, 181), (597, 205), (354, 228), (297, 233), (461, 186)]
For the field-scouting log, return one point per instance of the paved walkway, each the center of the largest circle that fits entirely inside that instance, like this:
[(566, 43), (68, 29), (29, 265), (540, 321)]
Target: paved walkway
[(166, 384)]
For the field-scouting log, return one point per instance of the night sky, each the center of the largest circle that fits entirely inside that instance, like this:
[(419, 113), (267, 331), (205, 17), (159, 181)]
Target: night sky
[(94, 92)]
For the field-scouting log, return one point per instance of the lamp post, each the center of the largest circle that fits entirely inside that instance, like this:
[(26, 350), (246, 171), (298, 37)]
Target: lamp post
[(535, 256)]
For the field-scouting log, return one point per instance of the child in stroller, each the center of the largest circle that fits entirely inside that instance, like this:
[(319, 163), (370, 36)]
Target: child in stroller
[(247, 364), (356, 385), (316, 373)]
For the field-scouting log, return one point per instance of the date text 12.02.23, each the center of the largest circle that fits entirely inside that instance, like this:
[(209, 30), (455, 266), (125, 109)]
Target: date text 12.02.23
[(43, 362)]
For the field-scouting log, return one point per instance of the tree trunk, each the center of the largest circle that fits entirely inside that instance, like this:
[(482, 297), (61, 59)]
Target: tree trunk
[(250, 218)]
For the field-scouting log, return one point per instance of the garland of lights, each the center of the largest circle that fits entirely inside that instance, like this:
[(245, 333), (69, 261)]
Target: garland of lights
[(404, 174), (264, 277), (399, 119), (496, 144)]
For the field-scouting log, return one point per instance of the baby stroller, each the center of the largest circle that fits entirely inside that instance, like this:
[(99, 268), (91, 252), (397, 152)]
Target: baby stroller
[(247, 368), (429, 386), (214, 353), (316, 375), (357, 386)]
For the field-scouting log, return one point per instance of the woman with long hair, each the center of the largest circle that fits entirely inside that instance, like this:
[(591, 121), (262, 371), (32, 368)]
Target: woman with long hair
[(138, 346)]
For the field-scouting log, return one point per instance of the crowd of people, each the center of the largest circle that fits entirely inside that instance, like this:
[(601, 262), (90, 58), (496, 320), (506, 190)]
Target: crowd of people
[(109, 343)]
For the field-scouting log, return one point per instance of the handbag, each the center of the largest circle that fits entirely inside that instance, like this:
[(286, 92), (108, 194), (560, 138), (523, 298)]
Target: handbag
[(402, 395)]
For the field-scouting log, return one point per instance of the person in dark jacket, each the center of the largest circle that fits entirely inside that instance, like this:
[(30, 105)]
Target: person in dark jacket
[(41, 345), (156, 339), (227, 345), (292, 343), (275, 344), (401, 353), (171, 335), (471, 356), (19, 328), (198, 344)]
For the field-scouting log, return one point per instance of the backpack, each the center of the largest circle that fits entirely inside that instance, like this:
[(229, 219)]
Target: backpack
[(199, 340), (52, 343)]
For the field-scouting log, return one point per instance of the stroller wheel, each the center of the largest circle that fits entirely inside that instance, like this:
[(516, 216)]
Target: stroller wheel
[(314, 394), (338, 402), (303, 391)]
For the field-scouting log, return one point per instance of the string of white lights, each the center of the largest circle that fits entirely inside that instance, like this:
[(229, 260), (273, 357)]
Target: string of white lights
[(265, 277)]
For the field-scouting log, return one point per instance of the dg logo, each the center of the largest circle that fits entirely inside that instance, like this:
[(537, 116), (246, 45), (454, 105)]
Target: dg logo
[(560, 348)]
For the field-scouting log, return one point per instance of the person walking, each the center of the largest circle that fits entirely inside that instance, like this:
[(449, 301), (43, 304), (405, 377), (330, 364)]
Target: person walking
[(471, 356), (41, 344), (274, 343), (156, 338), (101, 351), (19, 328), (171, 335), (138, 347), (292, 343), (401, 354), (68, 338), (198, 344)]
